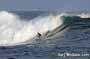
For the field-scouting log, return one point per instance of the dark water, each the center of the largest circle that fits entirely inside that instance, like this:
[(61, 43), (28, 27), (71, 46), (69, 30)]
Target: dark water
[(74, 38)]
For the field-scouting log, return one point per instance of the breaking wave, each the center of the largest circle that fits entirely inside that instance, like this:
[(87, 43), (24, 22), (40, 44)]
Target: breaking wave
[(14, 30)]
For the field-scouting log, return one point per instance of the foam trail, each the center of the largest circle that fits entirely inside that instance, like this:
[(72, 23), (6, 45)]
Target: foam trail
[(14, 31)]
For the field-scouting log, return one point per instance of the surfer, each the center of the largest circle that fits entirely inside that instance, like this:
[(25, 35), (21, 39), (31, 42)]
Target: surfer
[(38, 35)]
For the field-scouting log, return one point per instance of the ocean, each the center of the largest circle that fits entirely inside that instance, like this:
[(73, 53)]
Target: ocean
[(63, 35)]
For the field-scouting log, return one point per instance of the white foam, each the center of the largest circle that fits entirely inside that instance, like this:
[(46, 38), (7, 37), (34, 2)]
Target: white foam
[(14, 31), (84, 15), (9, 24)]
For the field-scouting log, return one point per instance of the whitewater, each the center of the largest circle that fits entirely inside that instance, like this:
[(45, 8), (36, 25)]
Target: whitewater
[(14, 31)]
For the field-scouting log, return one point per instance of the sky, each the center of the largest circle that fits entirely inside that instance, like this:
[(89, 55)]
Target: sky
[(45, 5)]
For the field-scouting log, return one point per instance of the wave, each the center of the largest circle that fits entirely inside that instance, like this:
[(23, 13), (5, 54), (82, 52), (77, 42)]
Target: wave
[(14, 30)]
